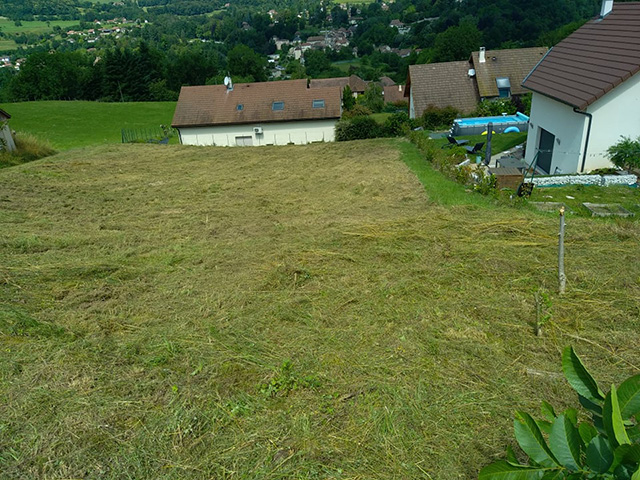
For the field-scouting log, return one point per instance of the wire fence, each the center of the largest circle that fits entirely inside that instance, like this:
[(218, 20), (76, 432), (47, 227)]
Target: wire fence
[(160, 134)]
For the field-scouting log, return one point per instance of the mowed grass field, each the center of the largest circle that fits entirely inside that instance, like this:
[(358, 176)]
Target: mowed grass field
[(314, 312), (79, 124), (27, 26)]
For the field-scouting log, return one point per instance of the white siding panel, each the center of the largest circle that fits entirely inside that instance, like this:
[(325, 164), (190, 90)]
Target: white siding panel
[(568, 127), (299, 133), (615, 115)]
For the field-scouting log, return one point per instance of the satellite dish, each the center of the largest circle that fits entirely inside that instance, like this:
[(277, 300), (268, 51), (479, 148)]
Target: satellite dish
[(472, 72), (227, 81)]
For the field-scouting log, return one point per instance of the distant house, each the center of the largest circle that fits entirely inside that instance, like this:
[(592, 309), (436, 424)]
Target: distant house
[(586, 93), (402, 28), (356, 84), (393, 93), (488, 74), (6, 140), (267, 113)]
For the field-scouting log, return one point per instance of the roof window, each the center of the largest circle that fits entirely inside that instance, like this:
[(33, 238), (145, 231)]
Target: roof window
[(277, 106), (240, 107), (318, 103), (504, 87)]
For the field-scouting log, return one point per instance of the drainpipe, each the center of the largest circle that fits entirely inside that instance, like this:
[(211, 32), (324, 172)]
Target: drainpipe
[(586, 143)]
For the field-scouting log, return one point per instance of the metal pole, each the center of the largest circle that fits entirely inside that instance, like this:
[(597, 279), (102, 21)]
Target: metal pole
[(487, 150), (562, 278)]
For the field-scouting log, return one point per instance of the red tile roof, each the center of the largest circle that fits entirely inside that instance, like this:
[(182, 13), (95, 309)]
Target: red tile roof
[(442, 85), (394, 93), (213, 105), (514, 64), (593, 60), (356, 84)]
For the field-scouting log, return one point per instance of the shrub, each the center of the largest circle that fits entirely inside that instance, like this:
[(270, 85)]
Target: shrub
[(625, 153), (28, 148), (562, 447), (398, 124), (435, 118), (356, 111), (358, 128)]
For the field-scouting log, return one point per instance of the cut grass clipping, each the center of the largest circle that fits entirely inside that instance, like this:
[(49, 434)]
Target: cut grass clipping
[(311, 312)]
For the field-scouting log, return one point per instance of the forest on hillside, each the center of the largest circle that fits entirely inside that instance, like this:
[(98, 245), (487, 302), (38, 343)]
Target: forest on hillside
[(166, 44)]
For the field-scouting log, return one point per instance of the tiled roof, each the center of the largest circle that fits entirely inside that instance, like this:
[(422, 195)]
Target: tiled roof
[(593, 60), (355, 83), (394, 93), (514, 64), (442, 85), (213, 105), (386, 81)]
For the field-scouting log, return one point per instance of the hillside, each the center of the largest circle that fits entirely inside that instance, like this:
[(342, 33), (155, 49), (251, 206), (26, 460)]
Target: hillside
[(291, 312), (80, 124)]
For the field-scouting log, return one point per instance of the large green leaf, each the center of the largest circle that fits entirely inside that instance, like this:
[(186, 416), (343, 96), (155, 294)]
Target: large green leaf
[(599, 454), (628, 454), (506, 471), (589, 405), (629, 397), (579, 378), (636, 475), (587, 432), (554, 474), (612, 418), (547, 411), (565, 442), (531, 441)]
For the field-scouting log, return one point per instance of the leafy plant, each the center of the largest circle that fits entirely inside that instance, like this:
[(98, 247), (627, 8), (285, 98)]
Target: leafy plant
[(625, 153), (287, 380), (561, 447)]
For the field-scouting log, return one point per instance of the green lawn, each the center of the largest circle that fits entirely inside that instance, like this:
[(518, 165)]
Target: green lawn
[(345, 65), (9, 26), (7, 45), (500, 142), (79, 124), (307, 312)]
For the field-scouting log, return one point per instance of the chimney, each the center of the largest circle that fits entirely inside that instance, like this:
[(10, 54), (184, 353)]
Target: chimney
[(481, 57), (607, 6)]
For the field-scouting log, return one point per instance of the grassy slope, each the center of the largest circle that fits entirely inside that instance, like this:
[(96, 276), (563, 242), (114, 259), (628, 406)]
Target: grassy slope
[(78, 124), (149, 292), (9, 26)]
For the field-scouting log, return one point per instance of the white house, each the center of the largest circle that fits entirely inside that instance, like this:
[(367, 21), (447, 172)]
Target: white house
[(586, 93), (257, 114)]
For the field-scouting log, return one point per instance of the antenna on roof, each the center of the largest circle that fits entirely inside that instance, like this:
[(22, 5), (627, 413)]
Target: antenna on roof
[(228, 82)]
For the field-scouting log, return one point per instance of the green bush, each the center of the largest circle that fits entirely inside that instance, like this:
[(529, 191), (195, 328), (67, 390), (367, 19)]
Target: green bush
[(436, 118), (358, 128), (356, 111), (625, 153), (566, 446), (28, 148), (398, 124)]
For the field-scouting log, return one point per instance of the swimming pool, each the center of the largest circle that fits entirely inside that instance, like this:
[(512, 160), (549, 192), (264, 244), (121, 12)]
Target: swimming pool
[(477, 125)]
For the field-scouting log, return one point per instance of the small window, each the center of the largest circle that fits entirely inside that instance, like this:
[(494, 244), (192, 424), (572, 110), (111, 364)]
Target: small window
[(240, 107), (318, 104), (277, 106), (504, 87)]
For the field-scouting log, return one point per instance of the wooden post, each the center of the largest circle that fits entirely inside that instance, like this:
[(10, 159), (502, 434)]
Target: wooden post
[(562, 278)]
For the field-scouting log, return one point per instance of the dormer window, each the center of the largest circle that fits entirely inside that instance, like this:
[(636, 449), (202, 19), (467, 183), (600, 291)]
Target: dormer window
[(318, 104), (504, 87), (277, 106)]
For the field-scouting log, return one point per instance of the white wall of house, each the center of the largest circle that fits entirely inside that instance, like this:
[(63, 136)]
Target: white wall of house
[(568, 127), (281, 133), (615, 114)]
